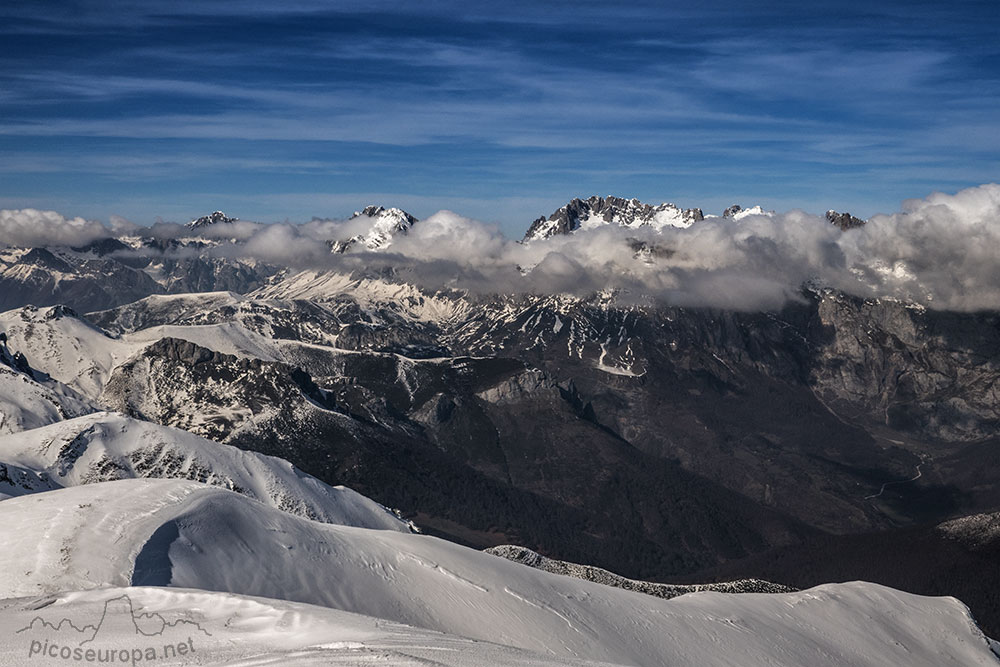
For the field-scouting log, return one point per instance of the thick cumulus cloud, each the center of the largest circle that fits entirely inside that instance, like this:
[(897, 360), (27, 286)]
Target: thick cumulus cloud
[(757, 262), (938, 251), (941, 251), (29, 227)]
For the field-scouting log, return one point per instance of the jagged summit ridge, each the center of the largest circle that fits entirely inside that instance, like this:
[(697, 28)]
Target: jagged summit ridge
[(844, 221), (386, 223), (211, 219), (598, 211)]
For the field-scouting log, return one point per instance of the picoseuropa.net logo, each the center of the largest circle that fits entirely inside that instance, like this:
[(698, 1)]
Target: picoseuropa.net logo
[(120, 637), (122, 656)]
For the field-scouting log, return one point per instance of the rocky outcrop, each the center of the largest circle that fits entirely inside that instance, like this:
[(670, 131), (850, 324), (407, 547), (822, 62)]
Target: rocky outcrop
[(929, 373), (211, 219), (844, 221), (598, 575), (15, 360)]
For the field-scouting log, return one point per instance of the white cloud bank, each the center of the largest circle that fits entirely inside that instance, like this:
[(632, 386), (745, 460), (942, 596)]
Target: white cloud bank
[(939, 251), (30, 227)]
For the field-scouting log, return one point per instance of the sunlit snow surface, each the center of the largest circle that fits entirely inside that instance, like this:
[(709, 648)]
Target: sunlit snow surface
[(192, 536)]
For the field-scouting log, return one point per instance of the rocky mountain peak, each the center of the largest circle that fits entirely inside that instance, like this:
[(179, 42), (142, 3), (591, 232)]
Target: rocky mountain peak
[(385, 224), (844, 221), (102, 247), (599, 211), (44, 259), (399, 219), (211, 219)]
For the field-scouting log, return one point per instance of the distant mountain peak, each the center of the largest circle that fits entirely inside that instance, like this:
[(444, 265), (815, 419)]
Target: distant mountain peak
[(599, 211), (397, 218), (844, 221), (211, 219), (386, 223), (737, 212)]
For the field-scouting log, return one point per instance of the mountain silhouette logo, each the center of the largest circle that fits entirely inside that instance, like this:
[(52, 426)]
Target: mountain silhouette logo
[(132, 636)]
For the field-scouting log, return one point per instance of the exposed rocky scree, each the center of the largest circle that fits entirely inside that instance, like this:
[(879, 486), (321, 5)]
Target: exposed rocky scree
[(590, 573)]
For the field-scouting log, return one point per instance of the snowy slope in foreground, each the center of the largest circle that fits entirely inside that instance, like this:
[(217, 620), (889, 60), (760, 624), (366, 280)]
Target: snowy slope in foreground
[(108, 446), (189, 535)]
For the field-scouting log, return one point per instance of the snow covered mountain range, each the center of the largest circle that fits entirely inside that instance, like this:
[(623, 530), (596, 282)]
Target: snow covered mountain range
[(204, 256), (583, 214), (597, 211), (216, 440)]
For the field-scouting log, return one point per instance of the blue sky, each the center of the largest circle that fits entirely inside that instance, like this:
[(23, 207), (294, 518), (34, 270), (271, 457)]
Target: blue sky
[(499, 111)]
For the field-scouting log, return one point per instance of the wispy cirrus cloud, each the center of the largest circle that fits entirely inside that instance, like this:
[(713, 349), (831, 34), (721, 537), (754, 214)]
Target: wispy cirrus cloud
[(785, 102)]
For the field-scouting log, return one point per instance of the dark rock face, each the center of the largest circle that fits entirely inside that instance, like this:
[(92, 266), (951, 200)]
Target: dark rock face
[(926, 373), (844, 221), (102, 275), (103, 247), (409, 341), (15, 360), (957, 558), (164, 245), (731, 211), (205, 274), (42, 278), (44, 259), (480, 449)]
